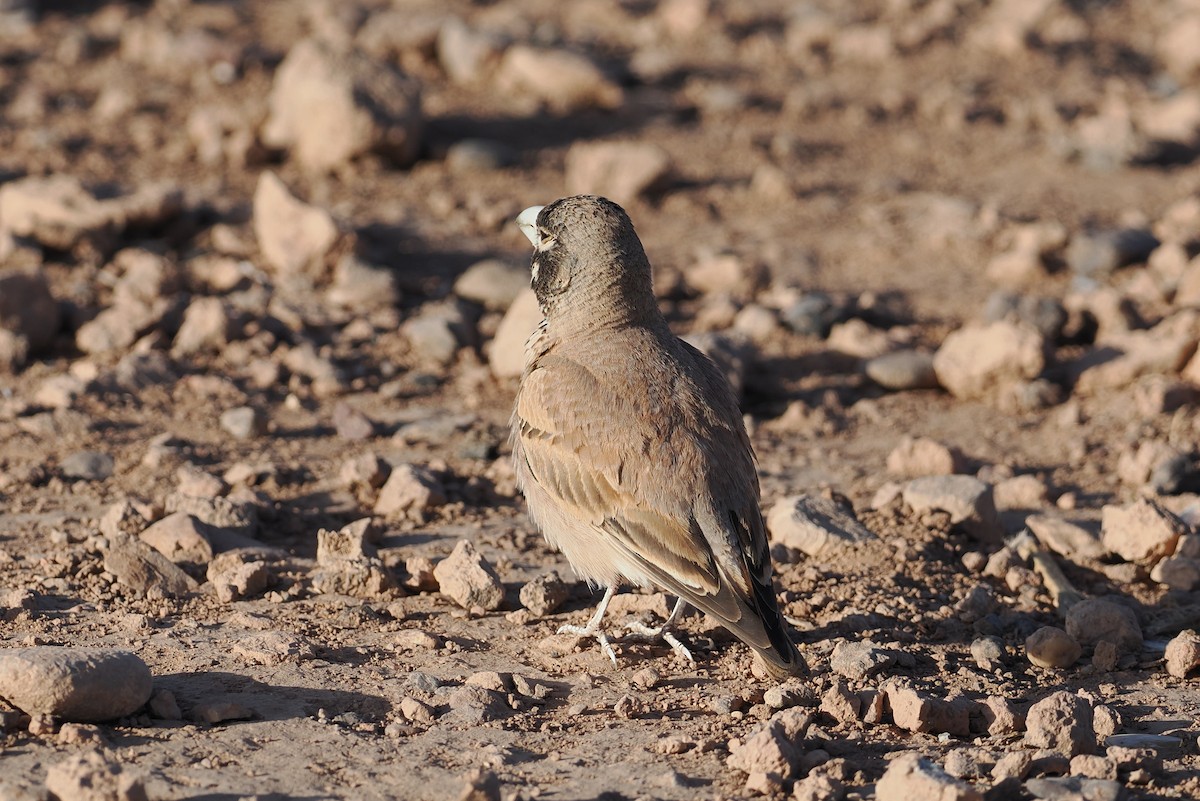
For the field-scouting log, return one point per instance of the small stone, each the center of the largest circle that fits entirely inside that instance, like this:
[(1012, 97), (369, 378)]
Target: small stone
[(439, 330), (348, 564), (816, 525), (919, 712), (1142, 531), (813, 314), (1021, 492), (360, 286), (410, 491), (645, 679), (912, 776), (818, 787), (1177, 572), (244, 422), (1104, 656), (480, 155), (564, 80), (1071, 788), (1065, 538), (544, 594), (146, 571), (480, 785), (351, 424), (769, 750), (164, 706), (506, 356), (841, 704), (420, 574), (81, 734), (968, 501), (466, 578), (620, 171), (28, 310), (206, 326), (922, 456), (88, 466), (329, 105), (968, 763), (467, 55), (365, 470), (292, 235), (59, 392), (1182, 655), (492, 283), (1051, 647), (239, 574), (903, 370), (859, 339), (214, 712), (76, 684), (988, 652), (977, 360), (181, 538), (90, 776), (1099, 254), (1061, 722), (1096, 619), (1013, 765), (1093, 766), (475, 705), (858, 660), (416, 711)]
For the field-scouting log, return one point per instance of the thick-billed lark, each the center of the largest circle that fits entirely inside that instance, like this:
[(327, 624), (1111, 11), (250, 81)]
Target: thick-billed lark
[(629, 444)]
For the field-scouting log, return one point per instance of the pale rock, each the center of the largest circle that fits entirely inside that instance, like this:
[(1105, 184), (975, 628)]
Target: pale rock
[(438, 330), (146, 571), (1096, 619), (545, 594), (360, 286), (1142, 531), (1021, 492), (292, 235), (506, 356), (238, 574), (922, 456), (918, 712), (619, 171), (91, 776), (912, 777), (816, 525), (967, 500), (181, 538), (563, 80), (244, 422), (859, 339), (1165, 348), (410, 490), (1065, 538), (903, 370), (1182, 656), (858, 660), (466, 578), (466, 55), (769, 750), (328, 107), (725, 274), (977, 360), (1177, 572), (348, 564), (1051, 647), (76, 684), (1061, 722), (492, 283)]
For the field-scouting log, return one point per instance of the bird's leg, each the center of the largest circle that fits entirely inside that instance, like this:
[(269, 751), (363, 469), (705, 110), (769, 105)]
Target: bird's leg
[(592, 629), (664, 632)]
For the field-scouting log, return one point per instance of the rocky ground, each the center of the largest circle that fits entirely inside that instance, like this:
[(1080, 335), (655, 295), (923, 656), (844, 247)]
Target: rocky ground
[(262, 307)]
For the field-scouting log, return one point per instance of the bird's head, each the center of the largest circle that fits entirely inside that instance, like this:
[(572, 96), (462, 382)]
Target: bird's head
[(587, 260)]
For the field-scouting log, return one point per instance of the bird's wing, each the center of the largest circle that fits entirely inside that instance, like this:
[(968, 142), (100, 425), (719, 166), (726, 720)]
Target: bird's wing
[(602, 461)]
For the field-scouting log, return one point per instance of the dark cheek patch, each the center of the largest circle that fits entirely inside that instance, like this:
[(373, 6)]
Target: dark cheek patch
[(551, 276)]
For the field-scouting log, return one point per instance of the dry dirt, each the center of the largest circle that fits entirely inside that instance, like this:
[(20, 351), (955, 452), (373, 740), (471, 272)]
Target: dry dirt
[(884, 155)]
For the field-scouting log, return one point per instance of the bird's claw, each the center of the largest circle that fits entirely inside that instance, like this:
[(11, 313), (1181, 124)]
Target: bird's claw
[(595, 633), (644, 632)]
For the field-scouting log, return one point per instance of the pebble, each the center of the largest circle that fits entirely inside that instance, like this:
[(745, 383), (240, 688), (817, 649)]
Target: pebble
[(146, 571), (417, 711), (214, 712), (1142, 531), (207, 326), (988, 652), (818, 787), (1096, 619), (410, 491), (980, 359), (1074, 788), (903, 370), (813, 314), (1061, 722), (564, 80), (439, 330), (292, 235), (364, 470), (1065, 538), (28, 311), (1045, 315), (492, 283), (857, 660), (181, 538), (76, 684), (1100, 254), (769, 750), (329, 105), (506, 356), (348, 564), (92, 776), (1021, 492), (922, 456), (545, 594), (351, 424), (164, 706), (841, 704), (1013, 765), (473, 705), (244, 422), (465, 54), (816, 525), (480, 155), (480, 785), (1177, 572), (239, 574), (1051, 647), (620, 171), (911, 777), (1182, 655), (967, 500), (466, 578), (919, 712), (88, 466), (361, 286)]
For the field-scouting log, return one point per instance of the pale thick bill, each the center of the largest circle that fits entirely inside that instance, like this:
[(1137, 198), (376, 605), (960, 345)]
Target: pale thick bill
[(527, 222)]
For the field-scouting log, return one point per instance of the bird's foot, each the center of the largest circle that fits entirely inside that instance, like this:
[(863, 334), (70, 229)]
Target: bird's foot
[(641, 631), (594, 632)]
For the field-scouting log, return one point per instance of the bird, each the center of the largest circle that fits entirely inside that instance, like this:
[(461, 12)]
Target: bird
[(629, 444)]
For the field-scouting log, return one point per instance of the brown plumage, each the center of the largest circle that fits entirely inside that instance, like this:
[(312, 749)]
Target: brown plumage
[(629, 444)]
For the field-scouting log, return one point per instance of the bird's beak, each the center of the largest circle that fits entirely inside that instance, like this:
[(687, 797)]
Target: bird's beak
[(527, 222)]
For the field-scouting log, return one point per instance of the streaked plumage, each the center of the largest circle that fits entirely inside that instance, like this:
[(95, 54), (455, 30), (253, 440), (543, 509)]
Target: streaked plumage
[(628, 443)]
